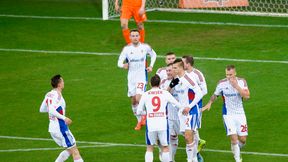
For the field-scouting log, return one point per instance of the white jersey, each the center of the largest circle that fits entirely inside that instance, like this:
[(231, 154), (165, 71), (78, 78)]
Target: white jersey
[(135, 56), (172, 109), (200, 80), (188, 93), (55, 105), (155, 102), (232, 99), (161, 72)]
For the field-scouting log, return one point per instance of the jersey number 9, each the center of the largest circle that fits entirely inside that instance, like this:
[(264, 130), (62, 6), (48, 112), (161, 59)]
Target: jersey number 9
[(156, 103)]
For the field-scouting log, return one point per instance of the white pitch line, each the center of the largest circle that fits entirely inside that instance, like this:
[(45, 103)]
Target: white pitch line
[(54, 148), (159, 56), (109, 144), (152, 21)]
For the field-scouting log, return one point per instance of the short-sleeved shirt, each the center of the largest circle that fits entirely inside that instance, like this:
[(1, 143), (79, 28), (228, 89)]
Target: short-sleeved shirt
[(232, 100)]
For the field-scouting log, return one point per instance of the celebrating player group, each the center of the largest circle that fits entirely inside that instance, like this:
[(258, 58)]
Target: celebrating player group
[(174, 105)]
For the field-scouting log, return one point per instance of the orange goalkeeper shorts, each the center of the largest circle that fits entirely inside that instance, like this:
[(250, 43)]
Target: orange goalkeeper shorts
[(128, 12)]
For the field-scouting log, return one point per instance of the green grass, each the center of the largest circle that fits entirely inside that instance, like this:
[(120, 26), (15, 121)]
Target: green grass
[(95, 89)]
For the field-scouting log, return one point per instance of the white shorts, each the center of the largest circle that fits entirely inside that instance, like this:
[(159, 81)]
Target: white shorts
[(235, 124), (174, 127), (136, 88), (154, 136), (188, 122), (65, 139)]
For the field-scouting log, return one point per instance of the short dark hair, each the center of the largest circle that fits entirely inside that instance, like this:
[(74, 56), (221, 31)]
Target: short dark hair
[(170, 53), (170, 64), (55, 80), (134, 30), (189, 59), (155, 80), (178, 60), (229, 67)]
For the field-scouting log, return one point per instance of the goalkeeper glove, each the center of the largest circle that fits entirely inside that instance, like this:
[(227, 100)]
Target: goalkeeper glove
[(174, 82)]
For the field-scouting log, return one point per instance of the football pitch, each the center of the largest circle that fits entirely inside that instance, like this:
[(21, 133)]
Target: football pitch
[(40, 38)]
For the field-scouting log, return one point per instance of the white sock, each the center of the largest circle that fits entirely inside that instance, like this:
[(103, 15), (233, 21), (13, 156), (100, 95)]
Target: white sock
[(79, 160), (148, 156), (173, 147), (195, 146), (165, 156), (189, 151), (236, 151), (134, 109), (197, 135), (64, 155), (241, 145)]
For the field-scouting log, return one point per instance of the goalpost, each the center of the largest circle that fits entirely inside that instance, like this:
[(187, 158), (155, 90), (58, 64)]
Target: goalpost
[(242, 7)]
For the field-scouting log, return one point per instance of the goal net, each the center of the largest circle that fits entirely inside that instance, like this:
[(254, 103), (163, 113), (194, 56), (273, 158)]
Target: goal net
[(244, 7)]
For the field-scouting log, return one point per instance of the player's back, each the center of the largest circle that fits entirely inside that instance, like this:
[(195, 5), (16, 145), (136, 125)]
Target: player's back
[(155, 101), (54, 100)]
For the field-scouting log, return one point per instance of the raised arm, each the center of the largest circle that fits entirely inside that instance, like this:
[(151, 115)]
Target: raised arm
[(244, 92)]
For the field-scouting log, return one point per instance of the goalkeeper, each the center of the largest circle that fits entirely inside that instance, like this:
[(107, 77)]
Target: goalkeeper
[(135, 9)]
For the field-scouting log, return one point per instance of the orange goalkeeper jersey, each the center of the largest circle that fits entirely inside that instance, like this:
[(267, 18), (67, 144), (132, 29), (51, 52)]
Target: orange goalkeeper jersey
[(131, 3)]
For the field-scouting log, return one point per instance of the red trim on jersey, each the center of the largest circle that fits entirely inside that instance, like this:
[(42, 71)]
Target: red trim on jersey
[(221, 81), (198, 73), (189, 80)]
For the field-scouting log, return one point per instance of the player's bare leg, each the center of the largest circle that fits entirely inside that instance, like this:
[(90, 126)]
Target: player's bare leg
[(140, 26), (76, 154), (149, 154), (242, 141), (135, 101), (125, 30), (235, 147), (143, 117)]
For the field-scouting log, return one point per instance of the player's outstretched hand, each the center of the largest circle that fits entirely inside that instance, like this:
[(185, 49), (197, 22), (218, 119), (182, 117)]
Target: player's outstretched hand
[(174, 82), (206, 107), (68, 121)]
